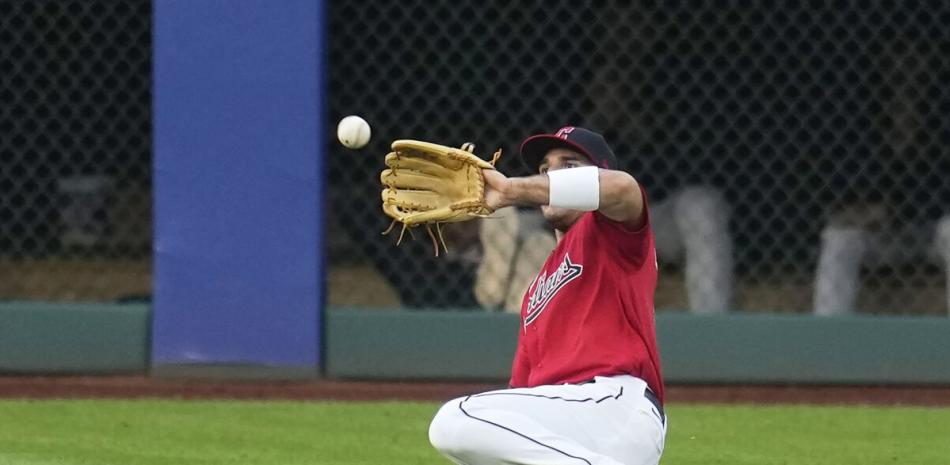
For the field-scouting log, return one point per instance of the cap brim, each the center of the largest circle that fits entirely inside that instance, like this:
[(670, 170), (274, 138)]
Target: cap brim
[(534, 148)]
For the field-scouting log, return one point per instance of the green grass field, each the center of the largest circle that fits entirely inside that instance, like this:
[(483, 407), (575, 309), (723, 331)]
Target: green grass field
[(198, 432)]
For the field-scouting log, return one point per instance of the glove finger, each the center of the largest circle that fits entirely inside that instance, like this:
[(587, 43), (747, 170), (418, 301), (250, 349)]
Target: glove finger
[(450, 157), (394, 212), (416, 163), (402, 179), (472, 160), (413, 199), (443, 214)]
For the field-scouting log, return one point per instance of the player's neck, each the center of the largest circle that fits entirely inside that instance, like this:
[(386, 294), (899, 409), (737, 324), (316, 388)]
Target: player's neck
[(558, 234)]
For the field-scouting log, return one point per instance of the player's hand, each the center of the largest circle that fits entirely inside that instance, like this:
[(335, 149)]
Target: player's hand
[(496, 187)]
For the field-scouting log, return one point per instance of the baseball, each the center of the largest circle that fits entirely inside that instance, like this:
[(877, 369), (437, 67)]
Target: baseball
[(353, 132)]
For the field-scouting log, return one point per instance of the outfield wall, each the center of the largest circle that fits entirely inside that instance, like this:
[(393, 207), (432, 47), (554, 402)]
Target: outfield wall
[(737, 348), (70, 338), (399, 344)]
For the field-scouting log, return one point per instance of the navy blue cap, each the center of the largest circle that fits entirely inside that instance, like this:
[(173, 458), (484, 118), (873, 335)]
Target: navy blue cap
[(584, 141)]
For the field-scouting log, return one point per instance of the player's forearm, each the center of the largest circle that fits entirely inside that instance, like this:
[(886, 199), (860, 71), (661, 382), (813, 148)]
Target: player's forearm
[(528, 191), (620, 198)]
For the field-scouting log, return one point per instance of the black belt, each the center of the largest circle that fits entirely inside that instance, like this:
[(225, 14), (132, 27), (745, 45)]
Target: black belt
[(648, 393)]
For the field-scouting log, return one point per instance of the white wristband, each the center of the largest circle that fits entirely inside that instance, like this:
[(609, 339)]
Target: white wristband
[(575, 188)]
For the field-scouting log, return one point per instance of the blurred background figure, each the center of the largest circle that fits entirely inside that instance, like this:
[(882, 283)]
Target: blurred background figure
[(870, 238), (514, 244), (692, 231), (890, 235)]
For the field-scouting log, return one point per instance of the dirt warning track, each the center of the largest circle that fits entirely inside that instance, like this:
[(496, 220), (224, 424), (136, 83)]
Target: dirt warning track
[(131, 387)]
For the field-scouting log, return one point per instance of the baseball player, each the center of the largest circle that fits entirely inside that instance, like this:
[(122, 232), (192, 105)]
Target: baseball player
[(586, 386)]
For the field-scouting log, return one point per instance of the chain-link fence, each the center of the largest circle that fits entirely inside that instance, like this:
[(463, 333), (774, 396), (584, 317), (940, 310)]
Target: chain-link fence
[(796, 153), (75, 137)]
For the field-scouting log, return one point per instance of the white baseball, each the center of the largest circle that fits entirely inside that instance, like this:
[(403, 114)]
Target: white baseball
[(353, 132)]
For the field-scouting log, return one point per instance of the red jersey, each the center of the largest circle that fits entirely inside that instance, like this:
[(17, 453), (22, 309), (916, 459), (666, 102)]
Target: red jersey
[(590, 310)]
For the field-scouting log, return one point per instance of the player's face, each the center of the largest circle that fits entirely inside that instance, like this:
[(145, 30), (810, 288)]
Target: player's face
[(556, 159)]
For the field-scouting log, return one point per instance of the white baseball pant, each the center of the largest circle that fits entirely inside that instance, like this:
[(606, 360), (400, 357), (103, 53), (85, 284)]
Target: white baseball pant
[(610, 421)]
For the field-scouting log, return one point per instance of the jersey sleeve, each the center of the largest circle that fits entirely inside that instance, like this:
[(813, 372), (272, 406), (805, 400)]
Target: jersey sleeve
[(631, 244)]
